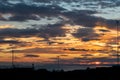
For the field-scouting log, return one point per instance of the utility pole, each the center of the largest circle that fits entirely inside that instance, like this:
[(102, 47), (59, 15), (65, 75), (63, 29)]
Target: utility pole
[(58, 58)]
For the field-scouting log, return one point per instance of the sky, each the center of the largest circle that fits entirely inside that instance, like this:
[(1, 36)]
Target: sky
[(78, 33)]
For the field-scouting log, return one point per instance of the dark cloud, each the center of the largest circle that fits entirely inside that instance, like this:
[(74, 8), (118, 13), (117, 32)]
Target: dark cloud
[(49, 42), (89, 39), (85, 61), (52, 31), (10, 32), (82, 17), (23, 17), (22, 12), (22, 8), (46, 32), (100, 59), (53, 42), (31, 56), (86, 50), (9, 42), (104, 30), (86, 55), (86, 34), (74, 49), (83, 32), (85, 18), (113, 24)]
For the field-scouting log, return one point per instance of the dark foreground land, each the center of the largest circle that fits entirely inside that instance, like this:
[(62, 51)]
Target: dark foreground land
[(111, 73)]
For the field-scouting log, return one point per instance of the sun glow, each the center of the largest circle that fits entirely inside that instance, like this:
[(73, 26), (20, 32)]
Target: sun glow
[(97, 63)]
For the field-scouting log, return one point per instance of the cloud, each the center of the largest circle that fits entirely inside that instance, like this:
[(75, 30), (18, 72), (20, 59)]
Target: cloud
[(83, 32), (23, 12), (39, 50), (31, 56), (112, 24), (113, 41), (9, 42), (84, 61), (63, 55), (86, 34), (1, 17), (52, 31), (74, 49), (86, 55), (23, 18), (85, 18), (45, 32), (82, 17), (104, 30), (53, 42), (13, 32), (101, 59)]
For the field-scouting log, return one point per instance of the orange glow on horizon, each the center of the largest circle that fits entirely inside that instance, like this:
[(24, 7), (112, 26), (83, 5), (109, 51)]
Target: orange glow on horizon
[(48, 52), (97, 63)]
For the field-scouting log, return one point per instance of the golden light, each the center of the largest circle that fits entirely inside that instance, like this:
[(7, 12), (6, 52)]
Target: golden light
[(39, 46), (97, 63), (6, 26)]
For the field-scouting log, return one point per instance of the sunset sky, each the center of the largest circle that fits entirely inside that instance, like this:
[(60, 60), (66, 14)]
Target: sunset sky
[(81, 32)]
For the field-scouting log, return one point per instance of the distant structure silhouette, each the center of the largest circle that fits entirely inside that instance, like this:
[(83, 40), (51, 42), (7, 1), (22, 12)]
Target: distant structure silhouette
[(58, 58), (33, 66)]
